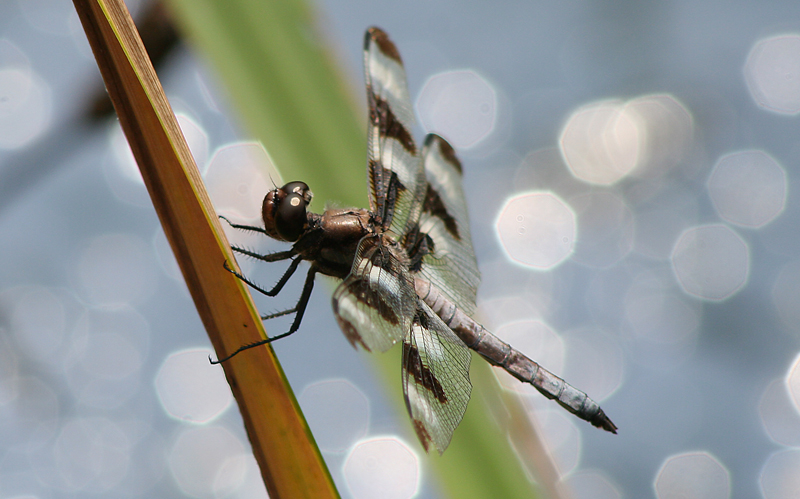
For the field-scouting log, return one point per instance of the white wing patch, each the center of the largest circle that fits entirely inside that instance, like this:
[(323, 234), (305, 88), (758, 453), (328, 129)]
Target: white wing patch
[(375, 304), (394, 165), (435, 378), (451, 265)]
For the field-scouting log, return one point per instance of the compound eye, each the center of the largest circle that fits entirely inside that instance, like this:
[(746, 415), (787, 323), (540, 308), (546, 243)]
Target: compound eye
[(284, 211), (269, 210), (300, 188), (290, 219)]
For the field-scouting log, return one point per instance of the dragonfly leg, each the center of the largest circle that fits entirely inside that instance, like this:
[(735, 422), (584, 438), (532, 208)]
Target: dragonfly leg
[(300, 308), (269, 257), (251, 228), (279, 314), (278, 286)]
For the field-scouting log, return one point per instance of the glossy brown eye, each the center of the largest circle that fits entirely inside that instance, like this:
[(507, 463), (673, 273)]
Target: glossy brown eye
[(291, 217), (284, 211), (300, 188)]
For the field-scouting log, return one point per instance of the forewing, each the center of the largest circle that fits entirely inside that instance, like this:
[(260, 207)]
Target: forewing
[(435, 378), (375, 303), (394, 168), (450, 263)]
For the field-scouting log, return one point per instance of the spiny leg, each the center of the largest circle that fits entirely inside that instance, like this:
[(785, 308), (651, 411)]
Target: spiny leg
[(269, 257), (300, 308), (278, 286), (252, 228), (279, 314)]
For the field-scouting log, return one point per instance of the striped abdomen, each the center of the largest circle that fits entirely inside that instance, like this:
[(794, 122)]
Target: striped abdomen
[(500, 353)]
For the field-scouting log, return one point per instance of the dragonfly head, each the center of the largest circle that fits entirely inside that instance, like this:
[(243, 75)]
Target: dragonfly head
[(284, 211)]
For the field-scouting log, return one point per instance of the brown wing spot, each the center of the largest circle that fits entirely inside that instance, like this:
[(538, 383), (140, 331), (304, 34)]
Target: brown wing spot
[(423, 376), (422, 433), (435, 206), (374, 168), (384, 259), (383, 42), (364, 294), (349, 330), (394, 189), (417, 244), (447, 152), (381, 115)]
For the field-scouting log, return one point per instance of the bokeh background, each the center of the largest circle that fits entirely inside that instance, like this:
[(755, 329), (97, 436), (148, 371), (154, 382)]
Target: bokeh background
[(631, 173)]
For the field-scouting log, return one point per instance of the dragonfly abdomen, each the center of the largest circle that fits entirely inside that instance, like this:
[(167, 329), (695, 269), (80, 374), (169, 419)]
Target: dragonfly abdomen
[(501, 354)]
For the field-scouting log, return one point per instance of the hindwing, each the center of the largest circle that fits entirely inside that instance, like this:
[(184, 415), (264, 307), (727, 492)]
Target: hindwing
[(435, 378), (376, 302)]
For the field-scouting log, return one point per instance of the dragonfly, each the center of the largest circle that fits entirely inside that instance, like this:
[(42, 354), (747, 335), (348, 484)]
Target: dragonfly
[(407, 266)]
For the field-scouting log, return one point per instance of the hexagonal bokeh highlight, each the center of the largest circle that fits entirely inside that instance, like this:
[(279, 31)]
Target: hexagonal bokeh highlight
[(605, 141), (109, 349), (52, 19), (559, 430), (337, 412), (123, 175), (779, 414), (459, 105), (793, 382), (25, 108), (190, 389), (382, 467), (537, 229), (196, 138), (779, 478), (748, 188), (238, 177), (91, 455), (668, 132), (37, 320), (117, 269), (594, 361), (602, 142), (538, 341), (693, 474), (711, 262), (772, 72), (531, 296), (208, 462), (592, 484)]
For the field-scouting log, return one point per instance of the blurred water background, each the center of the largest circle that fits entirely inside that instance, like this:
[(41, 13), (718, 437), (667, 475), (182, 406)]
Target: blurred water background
[(632, 173)]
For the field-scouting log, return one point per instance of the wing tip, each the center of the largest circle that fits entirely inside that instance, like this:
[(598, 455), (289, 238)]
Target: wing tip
[(385, 45), (445, 150), (349, 330), (368, 35), (425, 438)]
